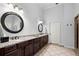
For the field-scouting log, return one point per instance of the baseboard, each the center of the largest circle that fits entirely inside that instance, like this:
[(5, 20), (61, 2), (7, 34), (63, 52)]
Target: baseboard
[(57, 44)]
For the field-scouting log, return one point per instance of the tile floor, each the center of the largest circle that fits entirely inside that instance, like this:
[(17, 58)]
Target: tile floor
[(55, 50)]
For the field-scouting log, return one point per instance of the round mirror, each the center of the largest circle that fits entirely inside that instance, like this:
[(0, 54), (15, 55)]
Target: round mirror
[(12, 22), (40, 27)]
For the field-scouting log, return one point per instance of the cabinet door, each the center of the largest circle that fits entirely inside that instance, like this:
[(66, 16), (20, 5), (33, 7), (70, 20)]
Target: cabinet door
[(21, 48), (26, 51), (13, 53), (21, 51), (46, 39), (36, 47), (41, 42), (2, 52), (29, 50)]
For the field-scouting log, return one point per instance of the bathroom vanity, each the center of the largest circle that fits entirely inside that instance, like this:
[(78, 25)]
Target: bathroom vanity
[(27, 46), (23, 46)]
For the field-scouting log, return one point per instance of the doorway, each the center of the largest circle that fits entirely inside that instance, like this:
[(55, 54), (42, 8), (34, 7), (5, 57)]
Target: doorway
[(55, 29)]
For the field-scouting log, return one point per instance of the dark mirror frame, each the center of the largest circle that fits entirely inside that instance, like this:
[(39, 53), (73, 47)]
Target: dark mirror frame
[(3, 21), (40, 30)]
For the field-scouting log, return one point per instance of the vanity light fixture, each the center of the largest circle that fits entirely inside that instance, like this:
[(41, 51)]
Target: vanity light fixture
[(16, 8), (10, 5), (40, 22), (21, 10)]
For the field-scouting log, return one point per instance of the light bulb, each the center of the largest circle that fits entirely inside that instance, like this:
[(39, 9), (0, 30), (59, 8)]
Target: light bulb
[(21, 10), (16, 9), (10, 6), (39, 22)]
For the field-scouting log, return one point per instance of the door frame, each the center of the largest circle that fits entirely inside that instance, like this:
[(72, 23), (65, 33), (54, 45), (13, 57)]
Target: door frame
[(76, 32)]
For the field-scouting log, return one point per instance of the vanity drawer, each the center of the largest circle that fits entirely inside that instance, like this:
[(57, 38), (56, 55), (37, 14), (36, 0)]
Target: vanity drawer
[(9, 49)]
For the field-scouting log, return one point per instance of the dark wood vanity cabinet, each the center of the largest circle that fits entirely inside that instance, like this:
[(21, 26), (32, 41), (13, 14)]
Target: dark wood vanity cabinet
[(26, 48), (21, 48), (36, 45), (21, 51), (45, 38), (28, 51), (41, 42), (9, 51), (12, 53)]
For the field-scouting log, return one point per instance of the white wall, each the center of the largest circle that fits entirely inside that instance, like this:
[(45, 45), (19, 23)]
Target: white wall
[(33, 13), (68, 31), (30, 17), (76, 9), (63, 14), (53, 15)]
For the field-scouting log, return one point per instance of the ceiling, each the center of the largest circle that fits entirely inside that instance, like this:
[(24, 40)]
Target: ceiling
[(47, 5), (41, 5)]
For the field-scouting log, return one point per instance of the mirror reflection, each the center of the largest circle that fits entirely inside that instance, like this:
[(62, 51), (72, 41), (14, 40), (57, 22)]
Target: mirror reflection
[(13, 22), (40, 27)]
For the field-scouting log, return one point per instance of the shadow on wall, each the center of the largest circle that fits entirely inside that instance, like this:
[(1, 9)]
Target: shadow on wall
[(1, 32)]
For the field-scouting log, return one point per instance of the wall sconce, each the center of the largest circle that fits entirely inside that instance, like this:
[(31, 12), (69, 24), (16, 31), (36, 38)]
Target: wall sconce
[(40, 22), (16, 8), (10, 5), (21, 10)]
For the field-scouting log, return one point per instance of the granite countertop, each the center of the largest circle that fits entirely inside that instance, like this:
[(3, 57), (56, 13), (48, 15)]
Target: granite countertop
[(12, 42)]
